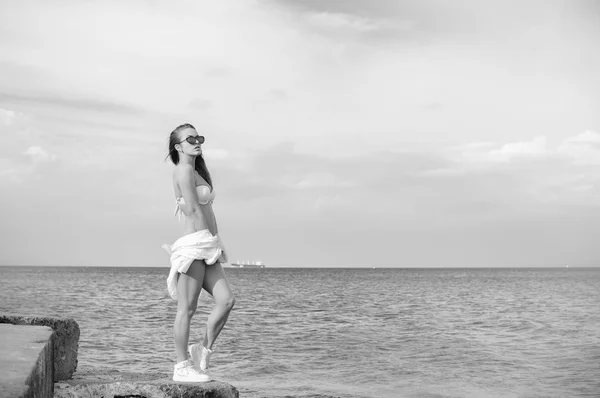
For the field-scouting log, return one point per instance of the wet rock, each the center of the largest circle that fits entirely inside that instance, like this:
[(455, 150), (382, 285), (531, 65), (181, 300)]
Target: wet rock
[(111, 383)]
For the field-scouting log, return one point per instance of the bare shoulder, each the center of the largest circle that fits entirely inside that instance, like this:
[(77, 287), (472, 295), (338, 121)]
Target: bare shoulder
[(182, 171)]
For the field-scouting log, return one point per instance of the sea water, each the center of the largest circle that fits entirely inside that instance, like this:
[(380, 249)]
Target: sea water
[(333, 332)]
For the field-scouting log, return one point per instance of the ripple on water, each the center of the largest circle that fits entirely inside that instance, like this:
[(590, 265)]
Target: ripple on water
[(345, 332)]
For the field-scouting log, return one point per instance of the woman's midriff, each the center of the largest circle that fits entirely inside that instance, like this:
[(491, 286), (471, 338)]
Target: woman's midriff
[(199, 223)]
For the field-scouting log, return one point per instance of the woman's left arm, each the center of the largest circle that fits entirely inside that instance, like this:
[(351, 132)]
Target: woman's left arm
[(215, 220)]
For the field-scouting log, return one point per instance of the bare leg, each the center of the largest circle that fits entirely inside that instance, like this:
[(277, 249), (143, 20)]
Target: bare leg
[(189, 286), (215, 283)]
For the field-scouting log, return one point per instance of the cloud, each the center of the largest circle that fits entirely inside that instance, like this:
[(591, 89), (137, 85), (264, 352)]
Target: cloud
[(281, 174), (393, 188), (583, 149), (216, 153), (39, 154), (278, 94), (510, 151), (329, 85), (580, 149), (328, 202), (343, 21), (219, 72), (586, 137), (433, 106), (16, 170), (15, 132), (534, 173), (69, 103), (316, 180), (9, 171), (7, 117), (343, 86), (200, 104)]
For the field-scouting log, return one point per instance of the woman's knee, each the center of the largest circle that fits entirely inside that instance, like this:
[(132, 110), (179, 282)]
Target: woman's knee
[(187, 310), (228, 302)]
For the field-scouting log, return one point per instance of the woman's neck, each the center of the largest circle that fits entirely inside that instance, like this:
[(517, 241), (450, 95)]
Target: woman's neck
[(191, 160)]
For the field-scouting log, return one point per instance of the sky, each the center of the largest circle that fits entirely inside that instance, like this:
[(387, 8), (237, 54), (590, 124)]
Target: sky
[(338, 133)]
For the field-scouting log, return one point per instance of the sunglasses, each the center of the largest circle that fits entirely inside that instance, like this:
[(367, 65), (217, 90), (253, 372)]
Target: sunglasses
[(194, 139)]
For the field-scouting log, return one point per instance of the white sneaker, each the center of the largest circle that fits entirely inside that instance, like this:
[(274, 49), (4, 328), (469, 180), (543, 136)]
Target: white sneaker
[(184, 372), (200, 355)]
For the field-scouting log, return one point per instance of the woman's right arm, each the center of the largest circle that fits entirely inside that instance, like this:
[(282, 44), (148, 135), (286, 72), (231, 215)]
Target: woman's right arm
[(193, 209)]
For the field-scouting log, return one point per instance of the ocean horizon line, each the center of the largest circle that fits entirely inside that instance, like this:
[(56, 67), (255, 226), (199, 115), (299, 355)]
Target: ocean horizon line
[(311, 267)]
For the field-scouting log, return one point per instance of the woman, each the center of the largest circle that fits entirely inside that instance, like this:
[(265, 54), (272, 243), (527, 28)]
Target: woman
[(195, 257)]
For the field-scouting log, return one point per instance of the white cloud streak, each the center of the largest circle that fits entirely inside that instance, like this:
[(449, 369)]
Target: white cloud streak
[(39, 154), (7, 117), (345, 21)]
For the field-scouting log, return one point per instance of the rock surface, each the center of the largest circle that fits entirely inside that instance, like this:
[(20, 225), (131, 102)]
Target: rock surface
[(25, 361), (65, 340), (110, 383), (57, 355)]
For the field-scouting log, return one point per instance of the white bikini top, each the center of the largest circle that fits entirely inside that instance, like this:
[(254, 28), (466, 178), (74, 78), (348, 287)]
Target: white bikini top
[(205, 196)]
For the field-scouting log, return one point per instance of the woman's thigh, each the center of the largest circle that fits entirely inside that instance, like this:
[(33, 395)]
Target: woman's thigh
[(216, 284), (189, 284)]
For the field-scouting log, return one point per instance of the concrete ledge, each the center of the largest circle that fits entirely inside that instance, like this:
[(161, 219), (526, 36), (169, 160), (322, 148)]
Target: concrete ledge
[(65, 341), (110, 383), (25, 361), (31, 356)]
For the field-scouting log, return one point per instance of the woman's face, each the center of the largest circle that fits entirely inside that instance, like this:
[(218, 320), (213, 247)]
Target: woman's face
[(190, 142)]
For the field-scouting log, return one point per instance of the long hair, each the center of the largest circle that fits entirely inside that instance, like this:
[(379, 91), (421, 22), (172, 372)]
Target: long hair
[(199, 165)]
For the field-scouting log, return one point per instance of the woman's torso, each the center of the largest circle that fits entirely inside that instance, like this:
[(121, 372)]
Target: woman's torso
[(205, 198)]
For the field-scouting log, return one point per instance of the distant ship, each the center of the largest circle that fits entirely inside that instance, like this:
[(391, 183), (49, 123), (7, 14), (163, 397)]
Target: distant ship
[(248, 264)]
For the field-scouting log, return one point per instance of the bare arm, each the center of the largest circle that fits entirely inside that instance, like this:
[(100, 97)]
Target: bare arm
[(193, 209)]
